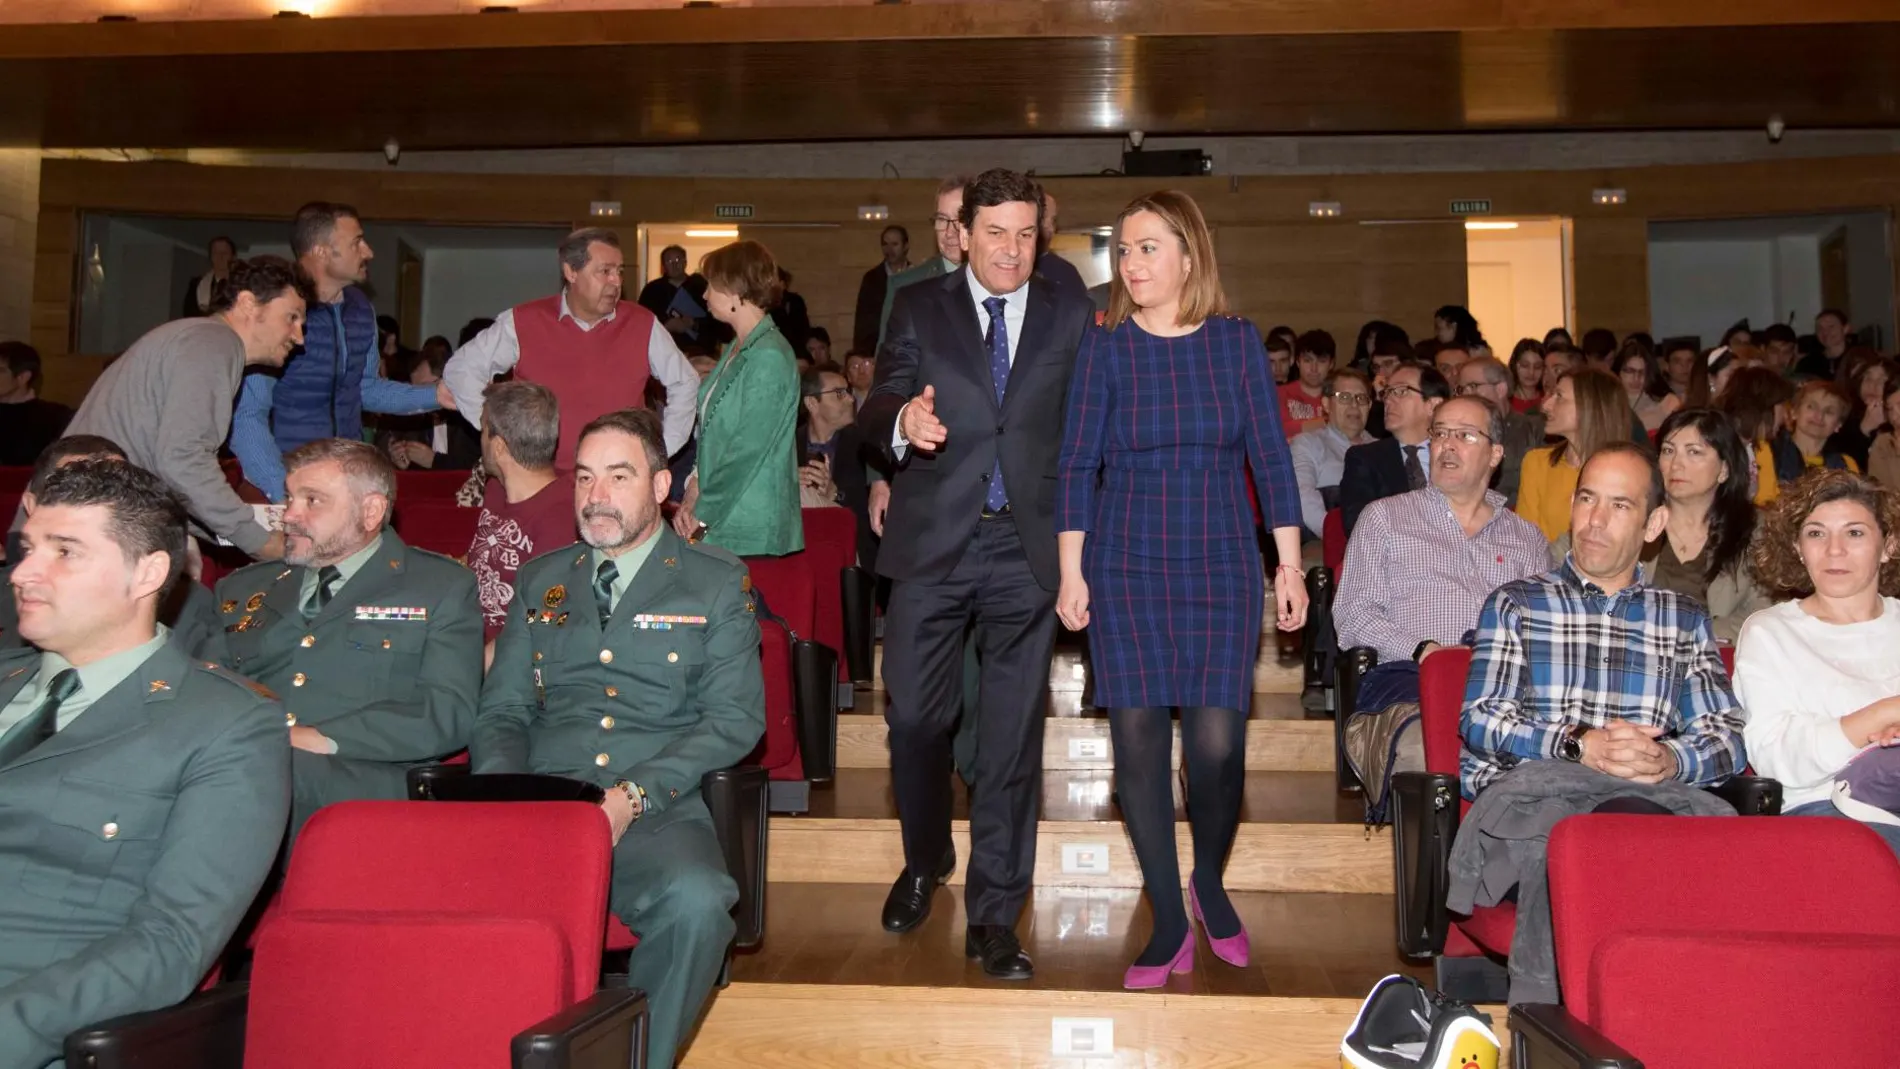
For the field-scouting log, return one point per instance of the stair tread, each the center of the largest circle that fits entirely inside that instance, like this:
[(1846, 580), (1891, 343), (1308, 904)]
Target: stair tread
[(1304, 945), (1084, 795)]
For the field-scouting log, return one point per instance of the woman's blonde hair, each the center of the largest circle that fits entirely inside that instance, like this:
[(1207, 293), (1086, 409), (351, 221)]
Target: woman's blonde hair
[(1201, 295)]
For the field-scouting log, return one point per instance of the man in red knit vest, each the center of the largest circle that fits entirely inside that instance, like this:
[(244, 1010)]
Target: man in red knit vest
[(594, 350)]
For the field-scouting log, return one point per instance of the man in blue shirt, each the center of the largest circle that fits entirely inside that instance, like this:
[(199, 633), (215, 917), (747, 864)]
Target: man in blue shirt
[(325, 387)]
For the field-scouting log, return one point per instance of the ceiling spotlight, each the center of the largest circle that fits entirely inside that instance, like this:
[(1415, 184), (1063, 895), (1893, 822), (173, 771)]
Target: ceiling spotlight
[(1608, 196), (1324, 209)]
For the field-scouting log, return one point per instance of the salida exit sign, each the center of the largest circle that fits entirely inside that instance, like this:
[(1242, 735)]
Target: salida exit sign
[(732, 211), (1471, 207)]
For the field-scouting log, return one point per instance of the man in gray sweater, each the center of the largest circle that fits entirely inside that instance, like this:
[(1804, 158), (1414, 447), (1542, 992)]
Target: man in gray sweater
[(168, 399)]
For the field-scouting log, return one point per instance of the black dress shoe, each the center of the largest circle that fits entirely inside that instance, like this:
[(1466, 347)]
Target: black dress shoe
[(1001, 953), (908, 904)]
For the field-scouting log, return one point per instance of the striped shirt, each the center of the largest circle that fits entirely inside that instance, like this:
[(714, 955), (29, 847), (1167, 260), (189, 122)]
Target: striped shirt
[(1413, 575), (1555, 651)]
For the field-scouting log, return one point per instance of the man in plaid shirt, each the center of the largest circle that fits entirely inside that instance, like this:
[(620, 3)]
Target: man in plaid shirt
[(1591, 665)]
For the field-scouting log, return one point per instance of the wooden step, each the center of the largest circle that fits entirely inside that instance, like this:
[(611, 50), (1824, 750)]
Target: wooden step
[(1078, 742), (1272, 673), (824, 1026), (1304, 945), (1088, 795)]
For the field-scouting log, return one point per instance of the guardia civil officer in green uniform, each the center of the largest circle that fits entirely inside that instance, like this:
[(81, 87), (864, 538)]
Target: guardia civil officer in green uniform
[(632, 662), (374, 647), (142, 795), (187, 610)]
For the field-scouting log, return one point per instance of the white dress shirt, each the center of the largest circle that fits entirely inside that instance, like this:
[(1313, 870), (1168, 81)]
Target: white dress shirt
[(1319, 460), (1015, 310), (497, 350)]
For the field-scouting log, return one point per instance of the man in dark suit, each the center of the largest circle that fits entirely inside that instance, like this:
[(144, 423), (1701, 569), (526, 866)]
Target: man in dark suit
[(1400, 463), (972, 382), (950, 250), (895, 241), (142, 795)]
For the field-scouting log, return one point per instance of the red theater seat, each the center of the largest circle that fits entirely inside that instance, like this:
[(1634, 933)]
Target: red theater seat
[(1753, 942), (438, 525), (465, 935), (422, 485), (845, 619), (1333, 541)]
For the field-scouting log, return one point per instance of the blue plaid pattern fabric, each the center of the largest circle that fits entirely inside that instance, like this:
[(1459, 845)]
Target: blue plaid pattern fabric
[(1555, 651), (997, 337), (1155, 466)]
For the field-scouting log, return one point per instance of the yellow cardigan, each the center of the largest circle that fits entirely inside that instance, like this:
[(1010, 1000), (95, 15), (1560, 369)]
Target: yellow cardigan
[(1544, 491)]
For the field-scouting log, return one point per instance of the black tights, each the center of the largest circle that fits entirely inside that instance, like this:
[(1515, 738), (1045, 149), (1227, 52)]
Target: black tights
[(1214, 751)]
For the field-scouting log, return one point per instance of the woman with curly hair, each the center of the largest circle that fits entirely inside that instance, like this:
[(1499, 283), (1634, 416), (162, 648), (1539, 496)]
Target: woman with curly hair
[(1818, 675)]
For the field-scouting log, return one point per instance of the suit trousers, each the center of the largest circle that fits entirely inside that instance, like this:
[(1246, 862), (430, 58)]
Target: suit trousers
[(923, 659), (671, 887)]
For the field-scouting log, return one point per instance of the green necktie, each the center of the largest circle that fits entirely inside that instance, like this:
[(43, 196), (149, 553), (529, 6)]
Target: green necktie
[(40, 724), (604, 590), (326, 578)]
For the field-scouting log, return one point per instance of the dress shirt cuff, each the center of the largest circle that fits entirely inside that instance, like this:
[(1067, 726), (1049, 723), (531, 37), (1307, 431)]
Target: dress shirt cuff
[(900, 445)]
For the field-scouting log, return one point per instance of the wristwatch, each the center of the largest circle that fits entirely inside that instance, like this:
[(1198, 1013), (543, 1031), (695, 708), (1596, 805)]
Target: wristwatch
[(635, 796), (1418, 651), (1570, 744)]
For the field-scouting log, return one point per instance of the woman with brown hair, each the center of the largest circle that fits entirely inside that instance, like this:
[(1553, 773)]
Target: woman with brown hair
[(1527, 374), (1586, 409), (744, 485), (1818, 674), (1756, 398), (1651, 398), (1867, 386), (1170, 403)]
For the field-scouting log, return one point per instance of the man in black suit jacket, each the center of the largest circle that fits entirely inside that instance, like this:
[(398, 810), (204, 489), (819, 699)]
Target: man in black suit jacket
[(832, 458), (972, 383), (895, 241), (1381, 469)]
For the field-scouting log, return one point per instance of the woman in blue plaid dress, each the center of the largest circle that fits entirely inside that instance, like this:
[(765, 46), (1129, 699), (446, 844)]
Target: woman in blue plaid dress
[(1172, 400)]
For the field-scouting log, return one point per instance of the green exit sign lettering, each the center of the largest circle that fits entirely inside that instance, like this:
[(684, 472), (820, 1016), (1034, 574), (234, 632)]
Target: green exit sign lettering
[(733, 211), (1471, 207)]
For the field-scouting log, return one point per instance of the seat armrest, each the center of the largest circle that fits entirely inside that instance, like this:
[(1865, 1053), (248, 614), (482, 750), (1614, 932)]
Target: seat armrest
[(514, 787), (606, 1031), (1424, 823), (1318, 637), (1752, 796), (815, 700), (206, 1030), (423, 779), (1353, 666), (736, 797), (858, 589), (1546, 1037)]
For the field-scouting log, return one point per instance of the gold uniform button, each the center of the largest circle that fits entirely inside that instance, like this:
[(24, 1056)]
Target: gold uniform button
[(601, 759), (290, 720), (606, 656), (613, 692), (385, 643), (308, 641), (537, 655), (297, 680), (672, 657), (607, 722), (110, 831)]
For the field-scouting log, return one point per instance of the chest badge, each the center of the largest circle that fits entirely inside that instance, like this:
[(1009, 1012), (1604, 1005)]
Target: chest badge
[(254, 602), (554, 597), (229, 606), (158, 685)]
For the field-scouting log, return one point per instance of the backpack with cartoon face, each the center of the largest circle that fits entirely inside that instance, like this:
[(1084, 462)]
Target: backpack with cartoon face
[(1404, 1025)]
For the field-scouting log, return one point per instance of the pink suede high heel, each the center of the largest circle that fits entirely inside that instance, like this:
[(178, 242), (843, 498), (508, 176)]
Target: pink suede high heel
[(1235, 949), (1144, 977)]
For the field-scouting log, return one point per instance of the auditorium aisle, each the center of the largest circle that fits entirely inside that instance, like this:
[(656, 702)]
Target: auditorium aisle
[(829, 988)]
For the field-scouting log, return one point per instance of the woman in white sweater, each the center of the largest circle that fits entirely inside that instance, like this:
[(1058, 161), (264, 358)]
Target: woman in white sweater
[(1820, 675)]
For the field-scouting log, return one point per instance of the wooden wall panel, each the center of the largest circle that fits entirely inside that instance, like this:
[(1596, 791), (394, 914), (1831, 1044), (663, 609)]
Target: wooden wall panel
[(1396, 255)]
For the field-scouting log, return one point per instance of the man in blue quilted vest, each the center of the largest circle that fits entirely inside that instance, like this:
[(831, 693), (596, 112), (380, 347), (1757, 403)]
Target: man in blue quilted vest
[(325, 387)]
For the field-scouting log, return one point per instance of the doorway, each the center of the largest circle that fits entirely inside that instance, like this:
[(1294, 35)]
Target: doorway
[(1518, 277)]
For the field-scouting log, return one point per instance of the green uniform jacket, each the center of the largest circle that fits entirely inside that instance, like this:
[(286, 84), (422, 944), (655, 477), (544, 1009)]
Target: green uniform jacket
[(131, 845), (188, 610), (670, 692), (748, 475), (929, 269), (390, 670)]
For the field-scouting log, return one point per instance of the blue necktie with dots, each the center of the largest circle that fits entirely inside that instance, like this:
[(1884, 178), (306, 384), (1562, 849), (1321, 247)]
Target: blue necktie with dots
[(998, 339)]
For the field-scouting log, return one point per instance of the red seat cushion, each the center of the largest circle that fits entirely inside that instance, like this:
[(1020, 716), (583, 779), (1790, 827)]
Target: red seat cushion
[(340, 989), (831, 546), (619, 936), (1488, 928), (1332, 542), (538, 860), (1441, 698), (439, 525), (426, 485), (1720, 875), (1760, 998), (777, 752)]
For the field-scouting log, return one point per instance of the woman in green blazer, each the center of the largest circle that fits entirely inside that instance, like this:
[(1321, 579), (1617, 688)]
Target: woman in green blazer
[(744, 488)]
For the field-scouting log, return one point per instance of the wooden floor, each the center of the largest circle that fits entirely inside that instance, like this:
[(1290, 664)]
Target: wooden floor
[(1304, 945), (1088, 794)]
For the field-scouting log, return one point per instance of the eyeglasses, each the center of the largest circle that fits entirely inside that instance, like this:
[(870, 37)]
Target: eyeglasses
[(1352, 398), (841, 391), (1445, 435), (940, 222), (1399, 390)]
